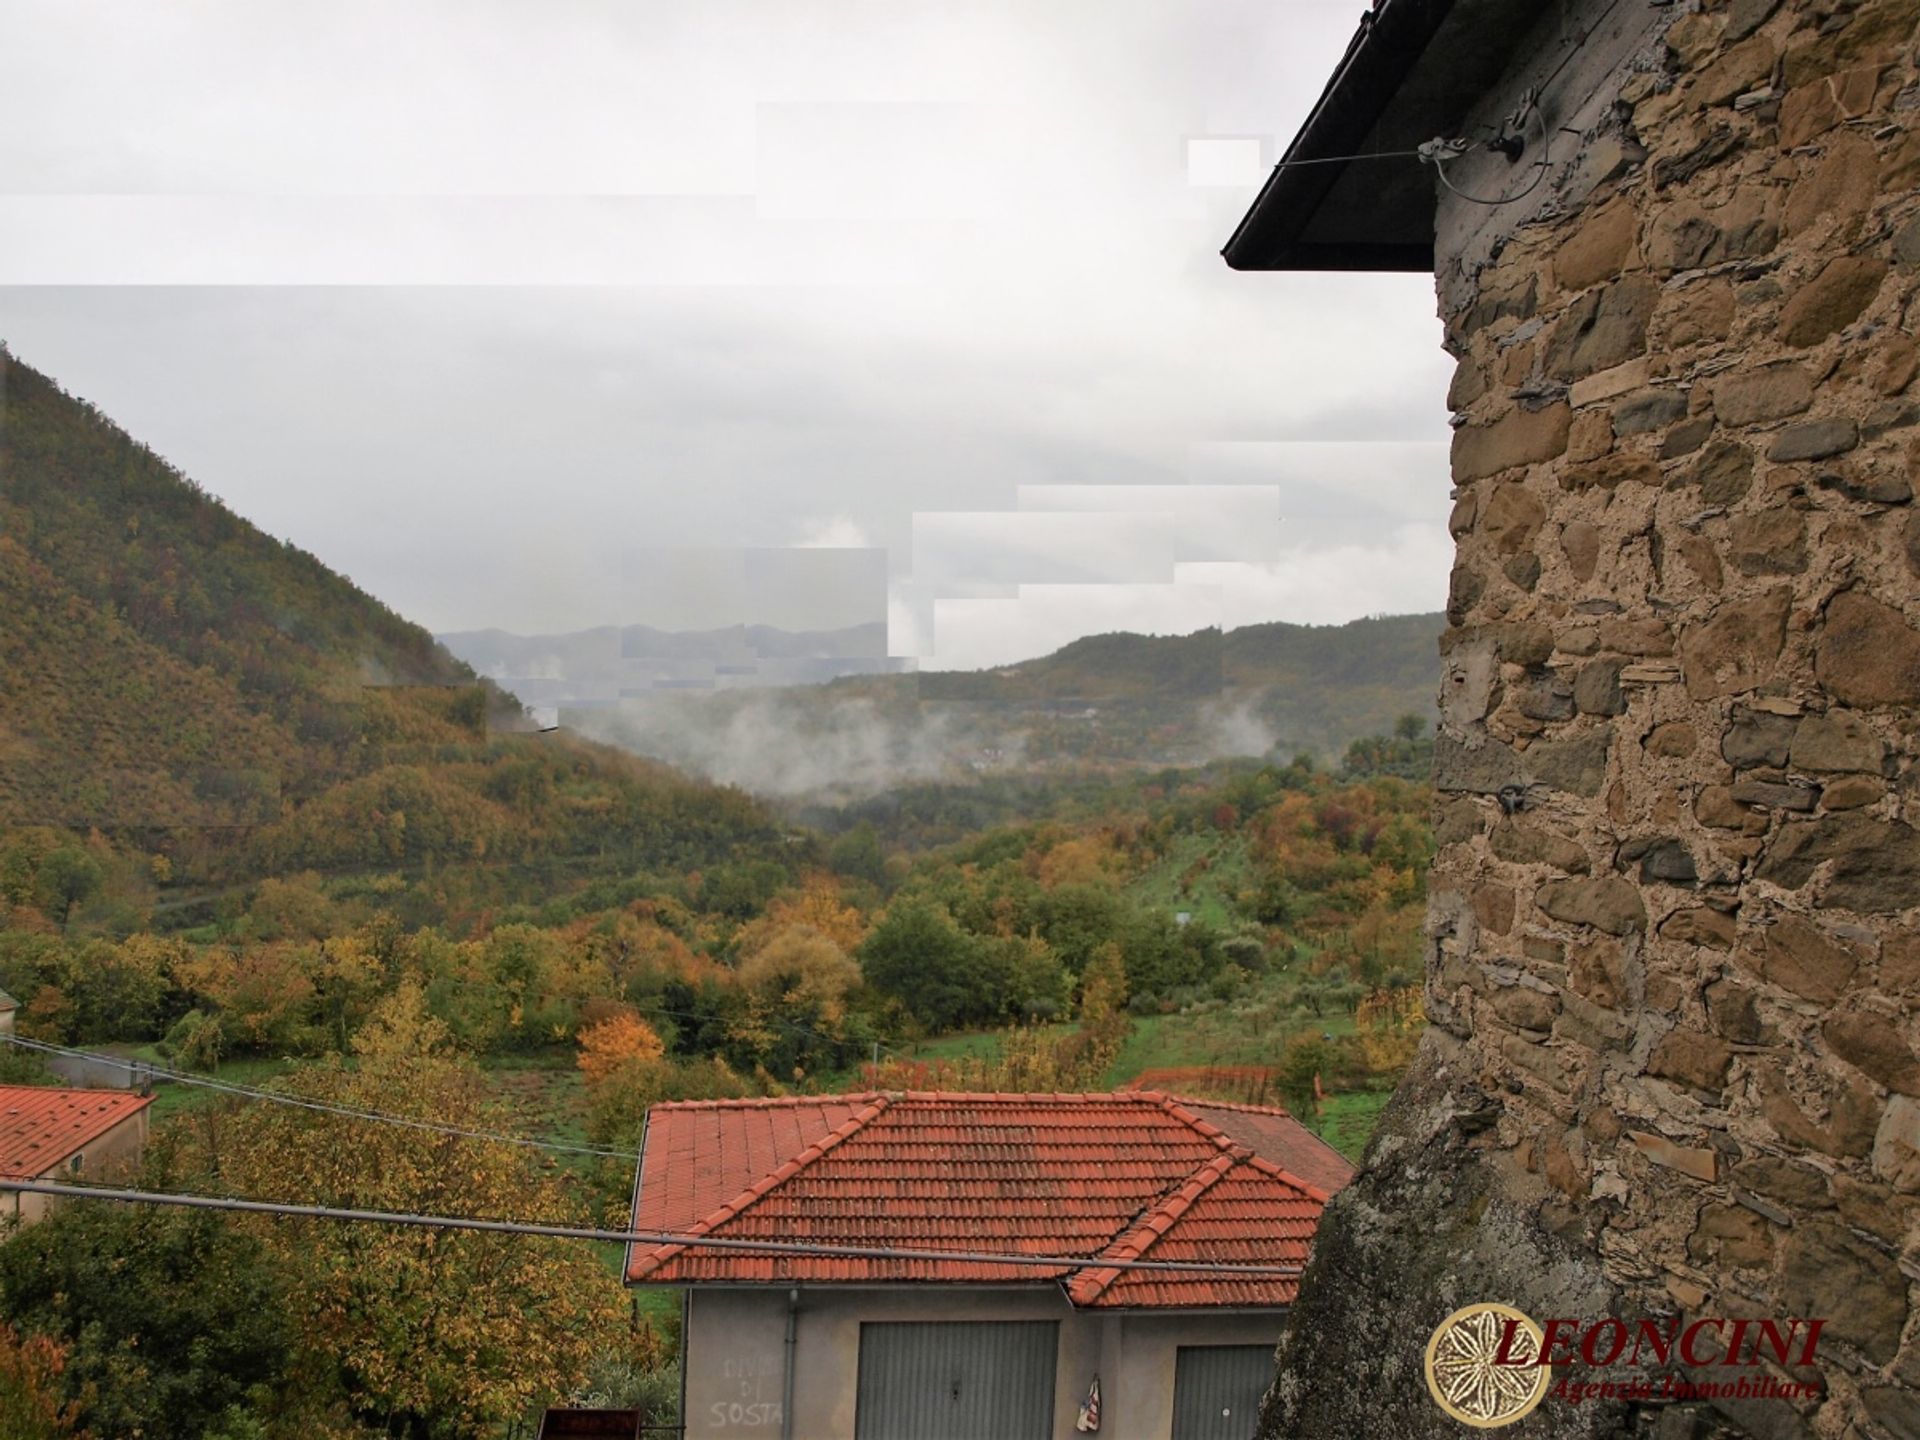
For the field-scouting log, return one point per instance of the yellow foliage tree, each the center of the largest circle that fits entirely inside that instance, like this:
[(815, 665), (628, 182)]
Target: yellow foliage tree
[(614, 1043), (1084, 860), (30, 1404), (1388, 1025), (1104, 1023), (817, 906), (801, 964), (442, 1332)]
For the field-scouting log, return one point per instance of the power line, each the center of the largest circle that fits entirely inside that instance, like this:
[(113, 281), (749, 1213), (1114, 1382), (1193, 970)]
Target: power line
[(807, 1249), (1347, 159), (1438, 152), (326, 1107)]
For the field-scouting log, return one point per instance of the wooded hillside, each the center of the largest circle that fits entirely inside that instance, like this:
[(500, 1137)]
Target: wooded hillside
[(187, 685)]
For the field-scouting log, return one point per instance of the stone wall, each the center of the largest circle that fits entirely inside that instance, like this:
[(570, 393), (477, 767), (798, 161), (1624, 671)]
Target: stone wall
[(1675, 918)]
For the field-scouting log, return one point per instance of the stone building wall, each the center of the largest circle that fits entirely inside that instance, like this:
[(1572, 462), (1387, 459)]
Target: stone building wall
[(1675, 919)]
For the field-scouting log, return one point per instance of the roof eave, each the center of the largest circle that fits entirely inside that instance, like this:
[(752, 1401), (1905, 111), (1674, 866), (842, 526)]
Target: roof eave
[(1392, 38)]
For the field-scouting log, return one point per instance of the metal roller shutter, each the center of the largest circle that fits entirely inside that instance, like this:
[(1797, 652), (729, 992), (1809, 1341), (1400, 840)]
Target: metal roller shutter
[(965, 1380), (1217, 1390)]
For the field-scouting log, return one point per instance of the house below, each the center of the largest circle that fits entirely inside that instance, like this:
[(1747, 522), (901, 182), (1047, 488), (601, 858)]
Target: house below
[(48, 1133), (887, 1345)]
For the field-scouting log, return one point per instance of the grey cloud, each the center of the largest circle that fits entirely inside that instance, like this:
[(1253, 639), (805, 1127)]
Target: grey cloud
[(895, 263)]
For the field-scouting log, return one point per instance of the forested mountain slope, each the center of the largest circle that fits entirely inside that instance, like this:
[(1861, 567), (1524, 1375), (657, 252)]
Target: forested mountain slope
[(1392, 656), (187, 685)]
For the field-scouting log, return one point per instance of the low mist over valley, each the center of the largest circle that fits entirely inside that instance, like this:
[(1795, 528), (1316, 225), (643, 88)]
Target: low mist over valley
[(731, 705)]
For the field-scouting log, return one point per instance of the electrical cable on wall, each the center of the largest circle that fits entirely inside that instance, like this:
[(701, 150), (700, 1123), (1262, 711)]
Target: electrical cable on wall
[(1438, 151), (1347, 159)]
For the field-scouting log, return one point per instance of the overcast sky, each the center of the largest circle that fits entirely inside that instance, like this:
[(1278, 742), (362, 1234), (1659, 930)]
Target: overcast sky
[(544, 316)]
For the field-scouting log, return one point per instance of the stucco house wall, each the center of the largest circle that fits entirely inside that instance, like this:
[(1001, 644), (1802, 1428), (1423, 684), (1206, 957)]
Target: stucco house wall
[(735, 1340), (1674, 947), (112, 1155)]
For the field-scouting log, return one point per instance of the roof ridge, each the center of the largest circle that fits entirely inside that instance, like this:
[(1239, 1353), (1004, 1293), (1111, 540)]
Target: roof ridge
[(1213, 1132), (1280, 1172), (764, 1102), (1227, 1142), (757, 1191), (1022, 1097), (1086, 1285), (1234, 1105)]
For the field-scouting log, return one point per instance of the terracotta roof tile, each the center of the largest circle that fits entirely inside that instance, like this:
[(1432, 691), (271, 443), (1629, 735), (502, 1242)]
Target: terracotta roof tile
[(40, 1125), (1274, 1133), (1094, 1176)]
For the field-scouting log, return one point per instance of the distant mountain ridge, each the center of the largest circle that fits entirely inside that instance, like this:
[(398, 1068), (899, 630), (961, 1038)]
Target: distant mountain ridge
[(1392, 654), (1101, 702), (600, 665)]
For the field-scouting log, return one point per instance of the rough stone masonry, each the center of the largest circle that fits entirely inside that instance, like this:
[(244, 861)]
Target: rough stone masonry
[(1674, 948)]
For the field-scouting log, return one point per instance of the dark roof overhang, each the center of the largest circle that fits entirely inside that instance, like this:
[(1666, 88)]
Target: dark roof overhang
[(1411, 73)]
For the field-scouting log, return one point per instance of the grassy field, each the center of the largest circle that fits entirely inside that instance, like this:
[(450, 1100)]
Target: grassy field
[(1248, 1031), (171, 1098), (970, 1045), (1200, 874), (1251, 1029), (1347, 1121), (659, 1303)]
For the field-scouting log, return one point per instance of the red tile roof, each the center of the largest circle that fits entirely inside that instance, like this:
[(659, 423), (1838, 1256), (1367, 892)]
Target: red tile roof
[(40, 1126), (1272, 1132), (1130, 1175)]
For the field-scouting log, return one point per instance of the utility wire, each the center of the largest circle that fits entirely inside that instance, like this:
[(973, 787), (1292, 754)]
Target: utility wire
[(1438, 152), (1348, 159), (325, 1107), (808, 1249)]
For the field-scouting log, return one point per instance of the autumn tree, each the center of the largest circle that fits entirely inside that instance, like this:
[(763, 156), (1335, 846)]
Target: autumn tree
[(260, 997), (617, 1041), (120, 992), (433, 1333), (801, 968), (818, 906), (294, 908), (618, 1102), (1388, 1025), (31, 1403), (1103, 988), (169, 1322), (1104, 1023)]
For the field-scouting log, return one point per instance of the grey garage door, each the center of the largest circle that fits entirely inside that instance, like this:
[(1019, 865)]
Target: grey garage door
[(956, 1381), (1217, 1390)]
